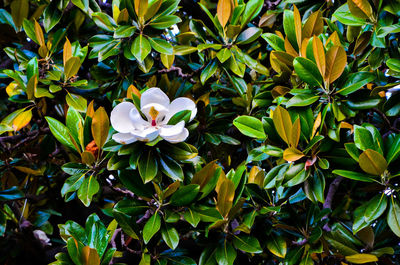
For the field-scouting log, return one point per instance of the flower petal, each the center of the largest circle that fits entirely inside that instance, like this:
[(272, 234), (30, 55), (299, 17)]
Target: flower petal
[(178, 138), (137, 121), (180, 104), (153, 96), (124, 138), (120, 120), (146, 135), (172, 130)]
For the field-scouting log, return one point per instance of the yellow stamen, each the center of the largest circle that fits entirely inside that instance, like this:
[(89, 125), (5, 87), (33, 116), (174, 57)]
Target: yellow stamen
[(153, 113)]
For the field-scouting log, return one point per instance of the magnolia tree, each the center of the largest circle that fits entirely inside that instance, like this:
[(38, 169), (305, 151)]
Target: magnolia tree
[(211, 132)]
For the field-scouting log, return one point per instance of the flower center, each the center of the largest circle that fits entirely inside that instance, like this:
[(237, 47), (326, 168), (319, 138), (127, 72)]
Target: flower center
[(153, 114)]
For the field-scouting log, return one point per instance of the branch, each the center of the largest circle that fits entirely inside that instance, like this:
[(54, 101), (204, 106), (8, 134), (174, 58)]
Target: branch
[(180, 73), (329, 197)]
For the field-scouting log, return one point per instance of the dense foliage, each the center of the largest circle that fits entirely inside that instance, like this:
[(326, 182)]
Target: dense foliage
[(210, 132)]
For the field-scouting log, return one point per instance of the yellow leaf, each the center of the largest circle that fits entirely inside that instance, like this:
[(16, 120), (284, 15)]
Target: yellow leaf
[(278, 61), (87, 158), (361, 258), (295, 133), (205, 98), (278, 91), (19, 11), (39, 34), (90, 110), (100, 127), (362, 42), (292, 154), (267, 20), (132, 90), (336, 60), (289, 48), (152, 9), (22, 120), (30, 171), (89, 256), (372, 162), (360, 8), (123, 16), (31, 87), (67, 51), (171, 189), (334, 38), (116, 12), (282, 123), (346, 125), (167, 60), (13, 89), (303, 47), (224, 11), (314, 25), (317, 123), (72, 67), (256, 176), (297, 25), (319, 54), (226, 193), (141, 7), (204, 175)]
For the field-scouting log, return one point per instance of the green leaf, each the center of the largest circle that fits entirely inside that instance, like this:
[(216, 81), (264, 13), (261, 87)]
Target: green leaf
[(277, 245), (356, 81), (344, 16), (247, 244), (60, 132), (171, 168), (276, 42), (12, 193), (302, 100), (353, 175), (375, 208), (89, 187), (394, 150), (249, 35), (225, 254), (127, 223), (289, 27), (140, 48), (393, 64), (164, 22), (250, 126), (52, 15), (185, 195), (363, 138), (151, 227), (308, 71), (192, 217), (170, 236), (147, 166), (124, 31), (393, 217), (252, 9), (76, 101), (162, 46), (209, 71), (224, 55)]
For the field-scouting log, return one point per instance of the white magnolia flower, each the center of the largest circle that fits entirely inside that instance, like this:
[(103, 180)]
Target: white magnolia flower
[(156, 106)]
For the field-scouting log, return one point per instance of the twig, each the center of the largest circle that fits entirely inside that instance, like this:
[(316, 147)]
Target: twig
[(329, 197), (300, 243), (180, 73), (146, 216)]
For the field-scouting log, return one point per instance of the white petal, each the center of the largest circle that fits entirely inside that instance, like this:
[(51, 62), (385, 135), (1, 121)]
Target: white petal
[(152, 96), (146, 135), (124, 138), (172, 130), (138, 122), (120, 119), (180, 104), (178, 138)]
